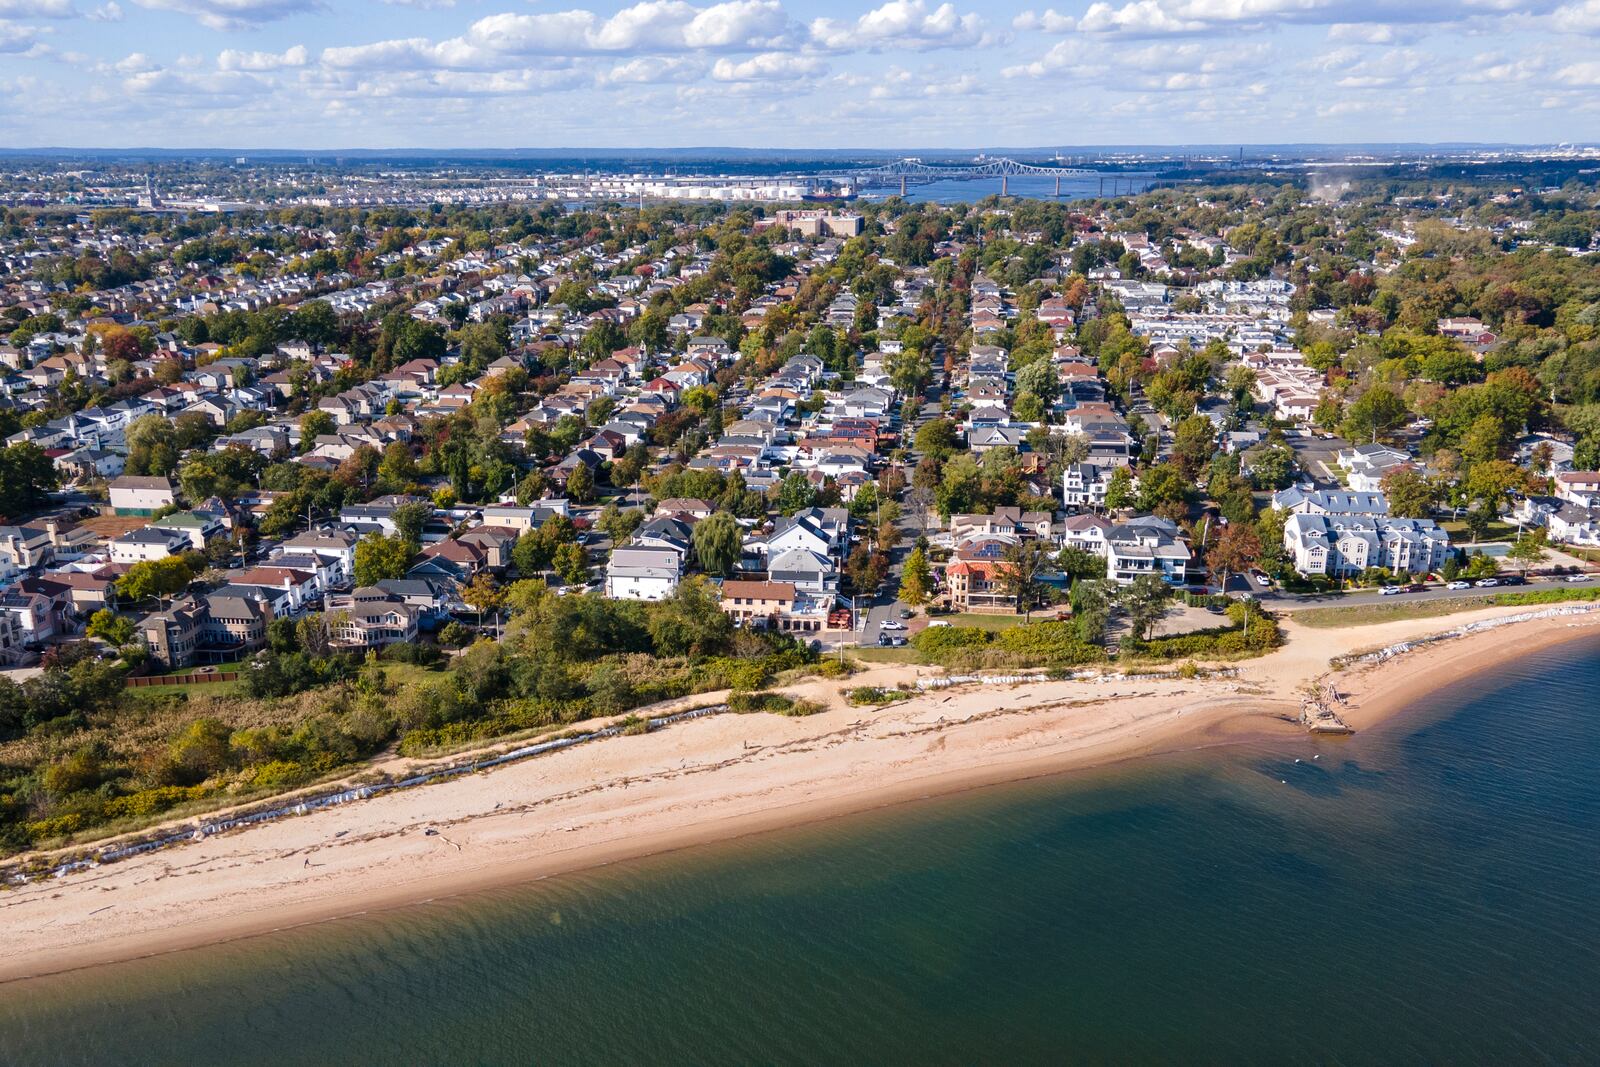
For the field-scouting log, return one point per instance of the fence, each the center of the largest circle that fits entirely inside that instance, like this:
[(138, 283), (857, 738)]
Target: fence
[(192, 678)]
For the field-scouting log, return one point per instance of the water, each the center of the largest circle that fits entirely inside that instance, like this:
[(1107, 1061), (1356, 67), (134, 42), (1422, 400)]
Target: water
[(1040, 187), (1424, 893)]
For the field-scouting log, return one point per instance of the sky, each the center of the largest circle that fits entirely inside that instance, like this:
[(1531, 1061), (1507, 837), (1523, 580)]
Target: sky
[(327, 74)]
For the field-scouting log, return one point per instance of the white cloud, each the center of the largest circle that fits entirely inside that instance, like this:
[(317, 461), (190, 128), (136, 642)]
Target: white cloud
[(135, 63), (1366, 33), (1585, 75), (233, 14), (37, 9), (769, 66), (654, 70), (232, 59), (902, 24), (111, 11), (1581, 17), (15, 39), (1048, 21), (219, 89)]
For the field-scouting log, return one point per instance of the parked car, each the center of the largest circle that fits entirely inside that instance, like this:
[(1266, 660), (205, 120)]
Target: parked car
[(1416, 587), (1579, 577), (1262, 579), (1459, 583), (937, 622), (906, 613), (890, 640), (891, 624), (1391, 590), (1514, 579), (1488, 583)]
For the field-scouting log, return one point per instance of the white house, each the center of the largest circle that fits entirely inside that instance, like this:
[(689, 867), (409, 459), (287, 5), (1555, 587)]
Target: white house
[(149, 543), (134, 494), (643, 573)]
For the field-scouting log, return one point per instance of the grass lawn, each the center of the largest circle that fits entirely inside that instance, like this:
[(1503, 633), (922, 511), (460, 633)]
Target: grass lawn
[(868, 654), (1496, 531), (1371, 614), (218, 689), (1368, 614)]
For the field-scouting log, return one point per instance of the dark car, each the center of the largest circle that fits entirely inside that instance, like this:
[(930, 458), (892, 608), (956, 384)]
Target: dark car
[(1416, 587), (1514, 579)]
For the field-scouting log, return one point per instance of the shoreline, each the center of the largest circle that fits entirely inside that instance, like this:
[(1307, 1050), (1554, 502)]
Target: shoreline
[(719, 778)]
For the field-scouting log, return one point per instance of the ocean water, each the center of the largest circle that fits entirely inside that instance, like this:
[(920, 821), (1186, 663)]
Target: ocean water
[(1426, 892)]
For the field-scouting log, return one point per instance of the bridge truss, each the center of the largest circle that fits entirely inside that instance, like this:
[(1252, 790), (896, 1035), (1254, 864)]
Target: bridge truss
[(910, 171)]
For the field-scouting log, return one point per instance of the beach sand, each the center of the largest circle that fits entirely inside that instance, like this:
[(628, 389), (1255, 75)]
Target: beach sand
[(715, 778)]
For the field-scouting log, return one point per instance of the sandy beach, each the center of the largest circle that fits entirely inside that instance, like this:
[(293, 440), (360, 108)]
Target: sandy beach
[(711, 779)]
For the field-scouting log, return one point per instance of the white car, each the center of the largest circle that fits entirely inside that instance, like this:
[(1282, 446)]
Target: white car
[(937, 623), (1579, 577), (1391, 590), (891, 624), (1488, 583), (1459, 584), (1262, 580)]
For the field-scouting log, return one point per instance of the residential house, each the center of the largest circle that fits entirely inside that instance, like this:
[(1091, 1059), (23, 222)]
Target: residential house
[(148, 543), (134, 494), (638, 573)]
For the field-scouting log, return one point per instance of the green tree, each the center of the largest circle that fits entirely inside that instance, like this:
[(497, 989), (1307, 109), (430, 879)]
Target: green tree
[(1193, 442), (26, 477), (1018, 572), (938, 438), (1410, 494), (572, 563), (690, 622), (116, 630), (1119, 491), (795, 493), (410, 520), (152, 446), (916, 579), (314, 424), (1144, 602), (482, 595), (1375, 415), (580, 484), (718, 543), (157, 578), (1528, 550), (379, 557)]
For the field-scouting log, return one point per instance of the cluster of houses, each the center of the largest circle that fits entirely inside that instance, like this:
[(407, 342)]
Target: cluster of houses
[(1339, 533)]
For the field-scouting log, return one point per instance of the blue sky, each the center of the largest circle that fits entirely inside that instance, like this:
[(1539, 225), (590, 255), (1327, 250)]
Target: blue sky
[(790, 73)]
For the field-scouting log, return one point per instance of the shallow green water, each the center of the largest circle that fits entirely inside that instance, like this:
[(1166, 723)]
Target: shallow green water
[(1427, 892)]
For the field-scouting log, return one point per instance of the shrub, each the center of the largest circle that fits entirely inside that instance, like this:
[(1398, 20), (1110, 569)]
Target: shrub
[(760, 701), (1219, 642), (1547, 596), (59, 826), (634, 725), (939, 643), (1049, 644), (149, 802), (279, 775), (874, 696)]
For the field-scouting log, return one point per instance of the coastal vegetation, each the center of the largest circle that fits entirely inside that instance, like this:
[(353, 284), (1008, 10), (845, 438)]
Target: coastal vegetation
[(82, 753), (1371, 614)]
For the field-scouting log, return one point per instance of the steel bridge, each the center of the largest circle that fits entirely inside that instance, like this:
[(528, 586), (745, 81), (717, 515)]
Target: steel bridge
[(912, 170)]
